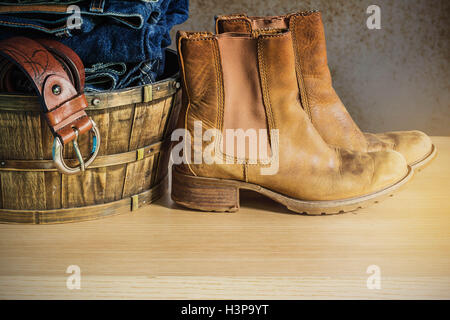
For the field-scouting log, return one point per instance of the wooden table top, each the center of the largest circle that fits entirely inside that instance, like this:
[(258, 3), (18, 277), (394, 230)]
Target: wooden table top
[(261, 252)]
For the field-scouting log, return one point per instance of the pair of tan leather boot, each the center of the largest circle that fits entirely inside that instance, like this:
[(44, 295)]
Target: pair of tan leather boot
[(260, 113)]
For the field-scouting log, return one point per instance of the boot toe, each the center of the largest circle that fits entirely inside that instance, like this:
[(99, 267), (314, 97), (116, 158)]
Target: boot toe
[(413, 145), (389, 168)]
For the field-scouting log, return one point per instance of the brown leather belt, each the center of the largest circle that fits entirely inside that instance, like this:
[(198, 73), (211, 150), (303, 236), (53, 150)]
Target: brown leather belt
[(56, 73)]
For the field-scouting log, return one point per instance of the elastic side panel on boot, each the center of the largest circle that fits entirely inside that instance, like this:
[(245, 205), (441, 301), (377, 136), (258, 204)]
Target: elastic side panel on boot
[(244, 111)]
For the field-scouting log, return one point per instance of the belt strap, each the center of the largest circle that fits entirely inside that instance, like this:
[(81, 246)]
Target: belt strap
[(53, 81), (57, 75)]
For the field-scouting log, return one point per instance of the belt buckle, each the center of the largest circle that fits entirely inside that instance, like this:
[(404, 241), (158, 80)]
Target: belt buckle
[(58, 150)]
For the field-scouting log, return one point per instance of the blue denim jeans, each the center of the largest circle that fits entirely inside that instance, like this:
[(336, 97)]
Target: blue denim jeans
[(109, 76), (10, 2), (111, 31), (104, 76)]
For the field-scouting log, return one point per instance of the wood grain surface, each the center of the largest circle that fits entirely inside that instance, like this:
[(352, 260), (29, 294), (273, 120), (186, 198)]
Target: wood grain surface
[(163, 251), (134, 150)]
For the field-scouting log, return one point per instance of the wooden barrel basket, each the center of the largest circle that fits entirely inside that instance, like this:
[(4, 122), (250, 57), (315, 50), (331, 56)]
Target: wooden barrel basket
[(131, 168)]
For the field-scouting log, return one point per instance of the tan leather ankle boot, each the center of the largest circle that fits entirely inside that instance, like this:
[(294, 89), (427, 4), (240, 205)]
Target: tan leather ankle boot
[(247, 83), (318, 98)]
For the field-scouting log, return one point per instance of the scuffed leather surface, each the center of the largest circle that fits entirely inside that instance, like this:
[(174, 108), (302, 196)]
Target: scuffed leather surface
[(395, 78), (203, 98), (319, 99), (328, 113), (309, 168), (413, 145)]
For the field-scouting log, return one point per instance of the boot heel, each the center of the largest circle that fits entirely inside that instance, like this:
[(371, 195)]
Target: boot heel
[(205, 194)]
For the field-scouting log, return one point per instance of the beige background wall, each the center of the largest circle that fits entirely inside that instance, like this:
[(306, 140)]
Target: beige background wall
[(390, 79)]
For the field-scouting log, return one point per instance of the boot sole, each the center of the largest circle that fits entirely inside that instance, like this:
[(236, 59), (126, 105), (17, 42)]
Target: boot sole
[(222, 195), (425, 161)]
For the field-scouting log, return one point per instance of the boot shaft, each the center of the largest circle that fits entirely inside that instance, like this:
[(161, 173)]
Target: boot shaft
[(318, 97), (307, 33), (231, 81)]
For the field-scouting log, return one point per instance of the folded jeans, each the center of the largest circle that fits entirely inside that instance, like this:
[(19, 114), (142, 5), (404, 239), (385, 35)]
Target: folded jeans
[(111, 30), (112, 76)]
